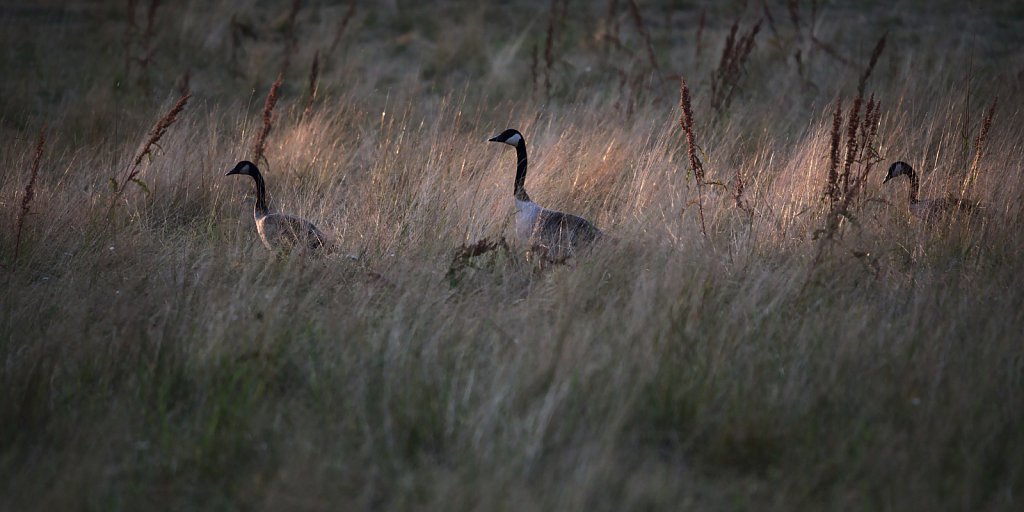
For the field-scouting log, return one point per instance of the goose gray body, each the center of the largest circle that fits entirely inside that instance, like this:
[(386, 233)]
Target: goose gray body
[(556, 235), (930, 209), (279, 231)]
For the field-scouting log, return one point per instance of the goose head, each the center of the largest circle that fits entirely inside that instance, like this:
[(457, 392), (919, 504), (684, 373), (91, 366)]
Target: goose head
[(510, 136), (898, 169), (244, 167)]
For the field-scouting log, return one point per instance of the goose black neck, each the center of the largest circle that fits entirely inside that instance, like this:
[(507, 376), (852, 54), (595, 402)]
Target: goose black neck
[(915, 186), (520, 185), (261, 194)]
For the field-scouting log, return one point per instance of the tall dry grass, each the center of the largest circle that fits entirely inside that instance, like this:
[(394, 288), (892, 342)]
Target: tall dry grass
[(173, 363)]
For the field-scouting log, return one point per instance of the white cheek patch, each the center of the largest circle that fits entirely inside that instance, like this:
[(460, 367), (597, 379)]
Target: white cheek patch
[(513, 140)]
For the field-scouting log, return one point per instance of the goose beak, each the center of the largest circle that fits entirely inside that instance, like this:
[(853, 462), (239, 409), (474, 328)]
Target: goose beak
[(232, 171), (494, 139)]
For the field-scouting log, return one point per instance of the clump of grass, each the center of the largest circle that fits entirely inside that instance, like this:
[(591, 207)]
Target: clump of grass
[(725, 79), (30, 188), (686, 121), (260, 144), (158, 131)]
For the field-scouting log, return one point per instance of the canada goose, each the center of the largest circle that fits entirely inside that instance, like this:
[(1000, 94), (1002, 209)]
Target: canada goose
[(557, 235), (929, 208), (279, 230)]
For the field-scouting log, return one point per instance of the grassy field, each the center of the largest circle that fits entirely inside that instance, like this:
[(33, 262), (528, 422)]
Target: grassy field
[(749, 340)]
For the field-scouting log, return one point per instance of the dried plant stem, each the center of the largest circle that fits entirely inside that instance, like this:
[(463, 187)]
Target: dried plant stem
[(291, 40), (832, 180), (342, 25), (979, 149), (725, 79), (700, 35), (740, 187), (158, 131), (851, 141), (843, 187), (832, 52), (533, 68), (638, 20), (260, 144), (549, 43), (875, 54), (771, 19), (26, 200), (612, 21), (148, 38), (314, 76), (686, 121), (185, 82)]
